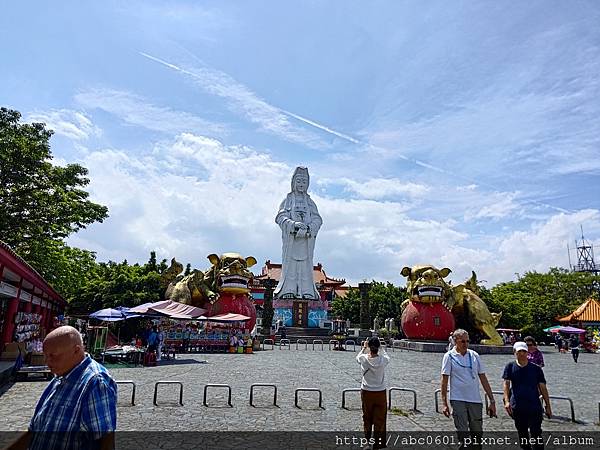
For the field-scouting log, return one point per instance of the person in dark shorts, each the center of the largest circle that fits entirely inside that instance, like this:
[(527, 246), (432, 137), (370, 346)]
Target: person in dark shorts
[(574, 344), (523, 383)]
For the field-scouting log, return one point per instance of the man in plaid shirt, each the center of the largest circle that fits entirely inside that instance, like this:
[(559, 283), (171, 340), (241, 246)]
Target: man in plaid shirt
[(78, 409)]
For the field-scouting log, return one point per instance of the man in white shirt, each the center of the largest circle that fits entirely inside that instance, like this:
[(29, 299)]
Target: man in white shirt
[(373, 391), (464, 369)]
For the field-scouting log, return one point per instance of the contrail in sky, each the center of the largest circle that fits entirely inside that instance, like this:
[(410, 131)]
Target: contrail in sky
[(346, 137)]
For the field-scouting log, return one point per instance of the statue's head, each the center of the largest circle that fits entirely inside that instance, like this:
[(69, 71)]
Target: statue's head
[(300, 180)]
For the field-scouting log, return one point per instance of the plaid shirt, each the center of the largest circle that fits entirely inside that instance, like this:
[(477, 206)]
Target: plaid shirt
[(76, 409)]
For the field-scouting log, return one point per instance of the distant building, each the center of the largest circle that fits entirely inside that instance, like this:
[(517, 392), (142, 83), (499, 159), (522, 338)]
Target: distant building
[(297, 312)]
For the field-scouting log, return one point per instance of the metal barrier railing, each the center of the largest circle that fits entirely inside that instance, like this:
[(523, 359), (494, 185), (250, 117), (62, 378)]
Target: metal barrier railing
[(335, 342), (318, 341), (218, 386), (270, 341), (283, 342), (395, 345), (132, 389), (263, 385), (560, 397), (487, 404), (303, 341), (435, 398), (308, 390), (414, 394), (179, 383), (344, 395), (350, 341)]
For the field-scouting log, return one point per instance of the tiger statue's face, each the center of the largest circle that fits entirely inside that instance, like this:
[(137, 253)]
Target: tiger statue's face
[(426, 284), (230, 272)]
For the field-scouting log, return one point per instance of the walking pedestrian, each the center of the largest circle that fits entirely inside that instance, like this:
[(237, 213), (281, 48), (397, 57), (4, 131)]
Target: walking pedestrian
[(160, 343), (78, 408), (574, 343), (534, 355), (373, 362), (463, 370), (523, 383)]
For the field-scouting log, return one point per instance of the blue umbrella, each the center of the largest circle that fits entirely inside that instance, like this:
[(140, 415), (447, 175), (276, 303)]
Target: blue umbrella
[(125, 310), (109, 315)]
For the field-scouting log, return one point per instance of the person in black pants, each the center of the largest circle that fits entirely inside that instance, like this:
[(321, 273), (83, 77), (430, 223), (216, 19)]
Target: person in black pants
[(574, 343), (523, 382)]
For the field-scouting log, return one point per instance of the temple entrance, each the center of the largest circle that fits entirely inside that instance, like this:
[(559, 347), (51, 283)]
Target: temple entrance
[(300, 314)]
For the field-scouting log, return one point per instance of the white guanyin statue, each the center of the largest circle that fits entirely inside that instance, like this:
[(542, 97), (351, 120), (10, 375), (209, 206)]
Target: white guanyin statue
[(299, 221)]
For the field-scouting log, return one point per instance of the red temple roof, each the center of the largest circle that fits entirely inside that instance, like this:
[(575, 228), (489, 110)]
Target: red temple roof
[(273, 271)]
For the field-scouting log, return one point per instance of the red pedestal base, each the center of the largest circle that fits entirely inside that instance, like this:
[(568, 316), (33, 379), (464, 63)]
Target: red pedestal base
[(427, 321), (237, 304)]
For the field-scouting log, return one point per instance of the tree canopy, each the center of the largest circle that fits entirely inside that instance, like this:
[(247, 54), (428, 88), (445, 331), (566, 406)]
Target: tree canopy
[(41, 204)]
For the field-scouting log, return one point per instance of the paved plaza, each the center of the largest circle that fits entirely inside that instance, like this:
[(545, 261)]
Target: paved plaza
[(330, 371)]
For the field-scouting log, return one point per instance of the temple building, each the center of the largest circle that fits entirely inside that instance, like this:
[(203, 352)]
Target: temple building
[(28, 304), (299, 312), (586, 315)]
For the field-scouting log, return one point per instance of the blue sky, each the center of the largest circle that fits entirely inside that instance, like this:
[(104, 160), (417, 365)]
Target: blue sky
[(464, 136)]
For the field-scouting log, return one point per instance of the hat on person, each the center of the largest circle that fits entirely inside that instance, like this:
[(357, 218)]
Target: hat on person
[(519, 346)]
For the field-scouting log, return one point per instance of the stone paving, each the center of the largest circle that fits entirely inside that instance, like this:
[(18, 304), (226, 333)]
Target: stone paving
[(330, 371)]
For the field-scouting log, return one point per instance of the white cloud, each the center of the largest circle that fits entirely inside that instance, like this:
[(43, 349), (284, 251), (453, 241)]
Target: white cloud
[(71, 124), (195, 196), (544, 245), (245, 102), (379, 188), (499, 206), (138, 111)]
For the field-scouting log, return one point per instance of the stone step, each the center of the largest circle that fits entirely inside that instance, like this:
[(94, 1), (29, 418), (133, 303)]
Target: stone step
[(297, 331)]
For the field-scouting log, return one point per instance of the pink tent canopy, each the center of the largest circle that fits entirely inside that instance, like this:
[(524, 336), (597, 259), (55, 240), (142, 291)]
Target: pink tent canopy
[(174, 310), (572, 330), (143, 309), (229, 317)]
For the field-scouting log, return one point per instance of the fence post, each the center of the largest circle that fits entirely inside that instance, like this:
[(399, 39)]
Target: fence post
[(263, 385), (179, 383), (132, 389), (308, 390), (219, 386), (304, 342), (353, 344), (414, 393), (344, 395)]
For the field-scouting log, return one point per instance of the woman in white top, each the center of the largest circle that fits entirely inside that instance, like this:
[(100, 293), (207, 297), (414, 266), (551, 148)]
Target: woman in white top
[(373, 391)]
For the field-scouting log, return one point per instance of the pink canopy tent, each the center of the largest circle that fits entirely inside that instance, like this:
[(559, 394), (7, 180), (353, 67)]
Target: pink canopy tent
[(229, 317), (571, 330), (174, 310)]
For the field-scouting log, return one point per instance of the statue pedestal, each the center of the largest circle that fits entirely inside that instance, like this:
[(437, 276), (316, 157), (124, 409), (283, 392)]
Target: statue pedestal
[(427, 321), (300, 312)]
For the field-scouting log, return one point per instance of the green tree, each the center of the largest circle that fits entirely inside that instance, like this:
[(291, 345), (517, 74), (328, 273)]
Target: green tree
[(112, 284), (41, 204), (385, 301), (537, 300), (347, 307)]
